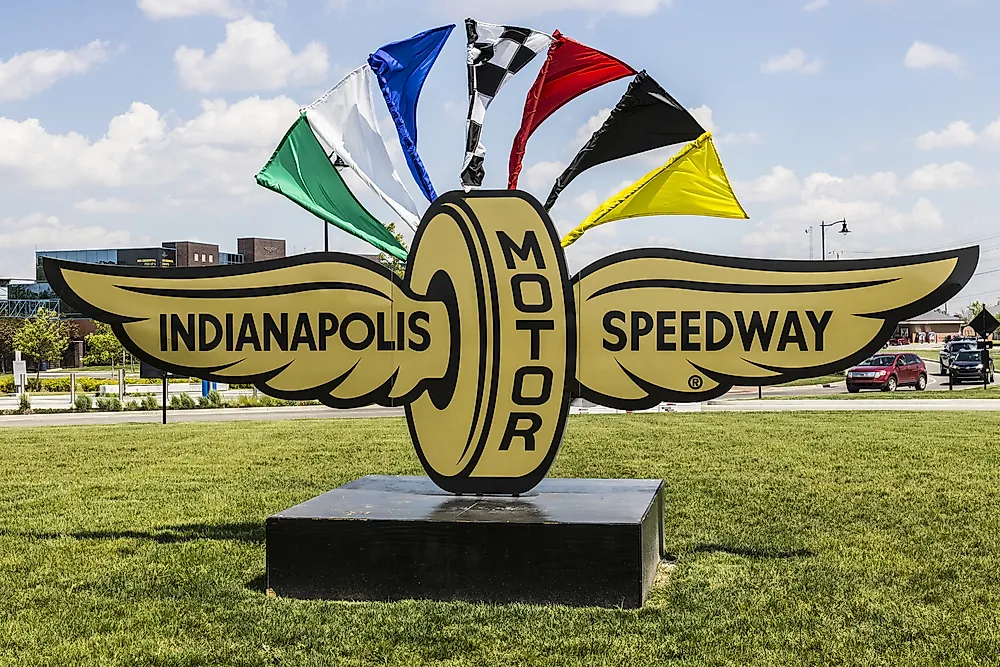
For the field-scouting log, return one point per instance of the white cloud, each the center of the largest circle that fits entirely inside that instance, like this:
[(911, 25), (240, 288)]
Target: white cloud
[(815, 5), (173, 9), (872, 216), (862, 199), (224, 147), (64, 160), (19, 236), (926, 56), (992, 133), (703, 115), (592, 125), (249, 122), (587, 201), (956, 134), (880, 185), (868, 220), (780, 183), (252, 57), (41, 230), (28, 74), (526, 8), (793, 61), (739, 138), (108, 205), (540, 176), (951, 176)]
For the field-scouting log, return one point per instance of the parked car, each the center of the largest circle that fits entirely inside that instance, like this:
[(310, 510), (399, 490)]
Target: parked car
[(886, 372), (968, 365), (951, 350)]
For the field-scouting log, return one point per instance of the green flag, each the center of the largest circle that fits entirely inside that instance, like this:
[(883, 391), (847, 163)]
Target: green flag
[(301, 171)]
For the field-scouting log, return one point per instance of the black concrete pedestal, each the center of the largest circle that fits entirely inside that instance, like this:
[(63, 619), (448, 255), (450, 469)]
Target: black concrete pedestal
[(569, 541)]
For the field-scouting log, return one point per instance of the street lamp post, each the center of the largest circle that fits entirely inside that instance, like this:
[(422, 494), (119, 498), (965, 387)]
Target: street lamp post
[(824, 225)]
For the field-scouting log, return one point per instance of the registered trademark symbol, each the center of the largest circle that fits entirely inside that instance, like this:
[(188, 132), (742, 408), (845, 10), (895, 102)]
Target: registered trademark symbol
[(695, 382)]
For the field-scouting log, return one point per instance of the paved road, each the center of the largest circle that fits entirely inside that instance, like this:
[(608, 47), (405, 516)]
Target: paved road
[(184, 416), (739, 399), (934, 383), (931, 404), (319, 412)]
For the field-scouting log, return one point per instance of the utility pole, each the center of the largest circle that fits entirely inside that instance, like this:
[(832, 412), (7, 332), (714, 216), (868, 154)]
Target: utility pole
[(326, 236), (811, 231)]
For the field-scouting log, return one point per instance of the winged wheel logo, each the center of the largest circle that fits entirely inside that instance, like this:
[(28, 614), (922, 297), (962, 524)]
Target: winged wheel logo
[(488, 339)]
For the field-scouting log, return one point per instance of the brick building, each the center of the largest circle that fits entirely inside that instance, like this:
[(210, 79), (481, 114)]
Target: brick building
[(260, 250)]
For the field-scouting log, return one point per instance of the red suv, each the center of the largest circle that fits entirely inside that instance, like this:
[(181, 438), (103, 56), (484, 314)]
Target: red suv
[(886, 372)]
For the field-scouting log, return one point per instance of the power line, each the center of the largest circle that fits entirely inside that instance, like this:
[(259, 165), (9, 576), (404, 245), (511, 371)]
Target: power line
[(966, 296), (950, 245)]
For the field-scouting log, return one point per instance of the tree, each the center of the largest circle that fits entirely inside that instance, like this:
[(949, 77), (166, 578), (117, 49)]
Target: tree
[(8, 327), (43, 337), (393, 263), (103, 347), (974, 309)]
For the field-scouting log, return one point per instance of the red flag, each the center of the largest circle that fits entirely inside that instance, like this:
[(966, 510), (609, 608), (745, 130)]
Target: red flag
[(570, 70)]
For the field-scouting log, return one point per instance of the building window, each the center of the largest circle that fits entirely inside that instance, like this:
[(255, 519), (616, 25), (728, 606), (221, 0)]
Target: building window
[(195, 257), (210, 259)]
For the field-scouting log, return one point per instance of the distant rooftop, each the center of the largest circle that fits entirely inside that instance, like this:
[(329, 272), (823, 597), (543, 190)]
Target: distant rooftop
[(935, 317)]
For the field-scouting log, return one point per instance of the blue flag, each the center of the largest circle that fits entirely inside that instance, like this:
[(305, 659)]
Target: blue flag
[(401, 69)]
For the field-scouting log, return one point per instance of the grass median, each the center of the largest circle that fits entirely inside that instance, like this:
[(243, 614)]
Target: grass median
[(808, 382), (797, 539)]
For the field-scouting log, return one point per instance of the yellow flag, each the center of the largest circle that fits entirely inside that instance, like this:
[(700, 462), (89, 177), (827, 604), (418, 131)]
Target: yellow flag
[(693, 182)]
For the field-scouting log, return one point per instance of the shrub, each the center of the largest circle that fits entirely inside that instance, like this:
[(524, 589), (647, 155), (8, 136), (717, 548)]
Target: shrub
[(83, 403), (181, 402), (133, 405), (149, 403), (203, 402), (215, 399), (24, 403), (109, 404)]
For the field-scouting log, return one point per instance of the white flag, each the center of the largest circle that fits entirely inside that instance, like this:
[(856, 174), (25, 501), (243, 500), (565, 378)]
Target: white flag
[(344, 123)]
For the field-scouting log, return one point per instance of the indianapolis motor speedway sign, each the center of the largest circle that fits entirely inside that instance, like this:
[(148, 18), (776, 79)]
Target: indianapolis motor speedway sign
[(487, 338)]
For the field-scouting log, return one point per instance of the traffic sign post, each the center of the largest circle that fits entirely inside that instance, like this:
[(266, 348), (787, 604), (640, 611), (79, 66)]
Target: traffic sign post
[(150, 371), (984, 324)]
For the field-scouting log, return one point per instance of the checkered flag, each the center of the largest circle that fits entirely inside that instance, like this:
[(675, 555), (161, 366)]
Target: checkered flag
[(496, 54)]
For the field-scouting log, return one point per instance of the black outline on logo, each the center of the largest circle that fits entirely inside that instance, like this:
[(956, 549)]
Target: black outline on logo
[(441, 290), (967, 259), (463, 483), (54, 268)]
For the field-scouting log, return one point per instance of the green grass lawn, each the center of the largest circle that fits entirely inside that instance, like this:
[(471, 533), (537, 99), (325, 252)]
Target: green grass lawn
[(797, 539), (806, 382)]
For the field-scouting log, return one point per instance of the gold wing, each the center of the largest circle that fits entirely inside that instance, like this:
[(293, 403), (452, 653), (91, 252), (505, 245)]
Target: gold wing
[(666, 325), (332, 327)]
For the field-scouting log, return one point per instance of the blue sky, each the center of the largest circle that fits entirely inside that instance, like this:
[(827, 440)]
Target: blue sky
[(139, 121)]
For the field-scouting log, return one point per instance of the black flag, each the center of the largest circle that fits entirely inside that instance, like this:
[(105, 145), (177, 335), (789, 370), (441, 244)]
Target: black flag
[(645, 118)]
